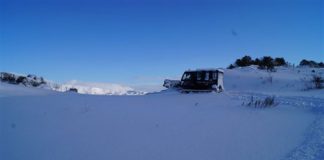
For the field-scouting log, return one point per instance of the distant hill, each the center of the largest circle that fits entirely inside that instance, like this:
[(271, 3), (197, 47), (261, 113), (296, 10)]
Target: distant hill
[(76, 86)]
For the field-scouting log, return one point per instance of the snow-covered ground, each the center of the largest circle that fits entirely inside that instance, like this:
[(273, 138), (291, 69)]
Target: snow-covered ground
[(44, 124)]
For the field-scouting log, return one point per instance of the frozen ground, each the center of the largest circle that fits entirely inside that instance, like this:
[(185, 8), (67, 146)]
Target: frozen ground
[(43, 124)]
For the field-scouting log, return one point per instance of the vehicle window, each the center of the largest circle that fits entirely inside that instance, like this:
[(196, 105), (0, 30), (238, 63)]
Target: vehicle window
[(207, 76), (186, 76), (199, 76), (214, 75)]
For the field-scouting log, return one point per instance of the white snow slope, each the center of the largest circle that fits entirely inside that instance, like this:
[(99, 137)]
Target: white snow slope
[(38, 124)]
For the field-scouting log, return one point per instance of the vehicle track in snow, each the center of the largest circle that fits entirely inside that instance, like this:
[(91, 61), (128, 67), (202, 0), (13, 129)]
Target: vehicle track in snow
[(312, 147)]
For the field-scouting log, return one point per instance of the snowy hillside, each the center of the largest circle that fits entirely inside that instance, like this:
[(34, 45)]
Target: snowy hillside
[(285, 81), (40, 124)]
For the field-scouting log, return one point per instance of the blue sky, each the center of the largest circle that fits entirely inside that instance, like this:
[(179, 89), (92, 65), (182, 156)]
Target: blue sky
[(142, 42)]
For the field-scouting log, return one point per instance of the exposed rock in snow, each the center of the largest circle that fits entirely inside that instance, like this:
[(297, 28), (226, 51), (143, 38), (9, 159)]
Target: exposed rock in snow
[(29, 80)]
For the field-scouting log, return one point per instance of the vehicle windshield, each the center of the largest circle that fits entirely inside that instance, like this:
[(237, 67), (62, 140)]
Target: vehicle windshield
[(187, 76)]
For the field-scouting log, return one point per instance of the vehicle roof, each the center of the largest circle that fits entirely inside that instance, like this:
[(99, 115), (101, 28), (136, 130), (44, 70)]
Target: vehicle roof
[(208, 69)]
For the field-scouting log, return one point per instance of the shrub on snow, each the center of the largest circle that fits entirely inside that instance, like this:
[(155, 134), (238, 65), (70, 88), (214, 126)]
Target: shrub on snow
[(268, 102), (315, 81)]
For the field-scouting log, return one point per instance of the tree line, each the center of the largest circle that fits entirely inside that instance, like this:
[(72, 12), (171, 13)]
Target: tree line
[(267, 62), (311, 63)]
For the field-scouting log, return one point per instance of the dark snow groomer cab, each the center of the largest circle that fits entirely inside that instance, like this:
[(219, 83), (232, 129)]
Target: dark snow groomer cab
[(200, 80)]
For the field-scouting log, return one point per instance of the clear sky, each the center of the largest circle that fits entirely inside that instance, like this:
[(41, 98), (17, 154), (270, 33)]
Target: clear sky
[(137, 42)]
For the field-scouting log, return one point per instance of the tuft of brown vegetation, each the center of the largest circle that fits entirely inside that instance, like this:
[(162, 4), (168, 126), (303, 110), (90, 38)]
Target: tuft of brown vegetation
[(268, 102)]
